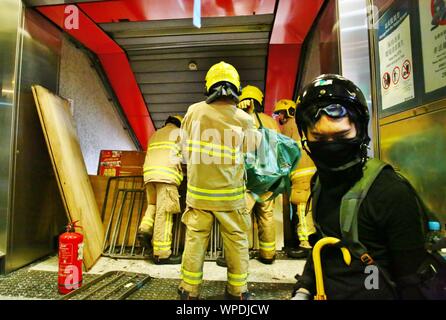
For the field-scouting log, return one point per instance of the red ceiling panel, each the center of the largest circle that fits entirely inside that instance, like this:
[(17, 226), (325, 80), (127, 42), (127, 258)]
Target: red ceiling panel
[(293, 20), (291, 25), (88, 33), (283, 62)]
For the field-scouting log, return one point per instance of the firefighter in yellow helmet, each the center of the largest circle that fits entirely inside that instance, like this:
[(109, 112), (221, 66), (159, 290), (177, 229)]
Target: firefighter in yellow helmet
[(302, 222), (162, 177), (215, 134), (251, 100)]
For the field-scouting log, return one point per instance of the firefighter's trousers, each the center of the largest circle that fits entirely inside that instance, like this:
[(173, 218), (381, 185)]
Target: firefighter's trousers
[(263, 212), (233, 227), (162, 202), (305, 226)]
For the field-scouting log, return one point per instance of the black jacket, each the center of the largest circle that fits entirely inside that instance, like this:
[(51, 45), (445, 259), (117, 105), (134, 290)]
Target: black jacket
[(390, 227)]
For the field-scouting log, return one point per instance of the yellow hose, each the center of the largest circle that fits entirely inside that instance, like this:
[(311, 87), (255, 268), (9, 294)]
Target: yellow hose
[(320, 290)]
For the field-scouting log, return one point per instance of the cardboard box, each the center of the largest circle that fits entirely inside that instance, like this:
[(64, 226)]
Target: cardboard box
[(121, 163)]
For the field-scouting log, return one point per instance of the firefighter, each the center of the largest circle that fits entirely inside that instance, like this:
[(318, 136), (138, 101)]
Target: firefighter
[(251, 100), (162, 177), (300, 180), (215, 135)]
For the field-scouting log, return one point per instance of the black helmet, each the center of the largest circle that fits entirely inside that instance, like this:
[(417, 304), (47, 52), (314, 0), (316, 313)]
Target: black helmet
[(332, 89)]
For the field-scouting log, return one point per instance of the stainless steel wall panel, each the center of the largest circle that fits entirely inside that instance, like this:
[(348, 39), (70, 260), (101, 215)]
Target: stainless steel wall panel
[(37, 213), (10, 17), (354, 45)]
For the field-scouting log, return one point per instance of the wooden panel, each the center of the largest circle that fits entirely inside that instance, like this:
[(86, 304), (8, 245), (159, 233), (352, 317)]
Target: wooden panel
[(99, 185), (69, 167)]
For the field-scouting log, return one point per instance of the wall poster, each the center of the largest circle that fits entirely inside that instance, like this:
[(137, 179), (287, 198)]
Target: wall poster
[(433, 40), (395, 56)]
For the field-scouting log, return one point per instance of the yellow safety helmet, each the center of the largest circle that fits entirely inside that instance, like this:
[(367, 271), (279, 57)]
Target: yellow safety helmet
[(252, 92), (176, 120), (222, 72), (286, 105)]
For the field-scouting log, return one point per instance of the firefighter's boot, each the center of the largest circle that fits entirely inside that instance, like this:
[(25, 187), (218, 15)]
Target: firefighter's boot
[(172, 259), (242, 296)]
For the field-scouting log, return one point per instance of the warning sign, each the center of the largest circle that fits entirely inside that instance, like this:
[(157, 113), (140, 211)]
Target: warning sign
[(386, 80), (407, 69), (395, 56), (396, 75)]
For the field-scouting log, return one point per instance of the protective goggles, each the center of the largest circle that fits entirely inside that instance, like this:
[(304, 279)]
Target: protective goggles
[(332, 110)]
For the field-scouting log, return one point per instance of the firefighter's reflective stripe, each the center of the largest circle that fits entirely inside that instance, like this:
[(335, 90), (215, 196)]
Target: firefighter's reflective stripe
[(216, 195), (211, 149), (237, 280), (166, 171), (213, 146), (164, 145), (303, 233), (303, 172), (267, 246), (193, 278), (167, 243), (167, 229), (162, 246), (148, 221)]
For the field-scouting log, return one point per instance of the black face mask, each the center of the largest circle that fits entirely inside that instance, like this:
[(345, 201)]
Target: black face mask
[(335, 155)]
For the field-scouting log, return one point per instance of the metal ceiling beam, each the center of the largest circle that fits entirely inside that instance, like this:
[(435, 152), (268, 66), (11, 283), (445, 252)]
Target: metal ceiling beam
[(203, 52), (128, 49), (190, 31), (157, 25), (196, 38)]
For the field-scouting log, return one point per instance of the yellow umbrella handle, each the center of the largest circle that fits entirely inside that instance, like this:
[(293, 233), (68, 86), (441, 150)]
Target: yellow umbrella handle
[(320, 290)]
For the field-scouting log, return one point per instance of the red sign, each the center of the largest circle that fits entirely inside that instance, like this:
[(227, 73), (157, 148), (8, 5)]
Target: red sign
[(407, 69), (386, 80), (110, 163)]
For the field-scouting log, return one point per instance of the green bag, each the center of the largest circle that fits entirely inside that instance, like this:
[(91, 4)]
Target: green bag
[(268, 168)]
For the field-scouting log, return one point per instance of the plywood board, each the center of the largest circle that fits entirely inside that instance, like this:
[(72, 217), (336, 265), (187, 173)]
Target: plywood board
[(71, 172)]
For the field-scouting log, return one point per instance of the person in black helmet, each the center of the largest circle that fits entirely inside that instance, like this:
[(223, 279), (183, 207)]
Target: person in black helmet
[(332, 120)]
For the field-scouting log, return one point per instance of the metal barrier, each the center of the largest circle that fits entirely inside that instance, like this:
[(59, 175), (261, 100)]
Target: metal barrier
[(122, 211), (122, 215)]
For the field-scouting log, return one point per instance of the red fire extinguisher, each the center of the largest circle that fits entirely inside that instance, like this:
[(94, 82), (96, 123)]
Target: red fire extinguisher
[(70, 259)]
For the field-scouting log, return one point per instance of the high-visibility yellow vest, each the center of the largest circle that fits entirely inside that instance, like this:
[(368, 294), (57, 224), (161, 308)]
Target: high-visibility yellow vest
[(301, 176), (213, 141), (163, 158)]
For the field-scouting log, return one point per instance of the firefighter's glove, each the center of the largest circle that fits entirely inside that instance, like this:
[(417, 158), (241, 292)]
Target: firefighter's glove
[(246, 105)]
